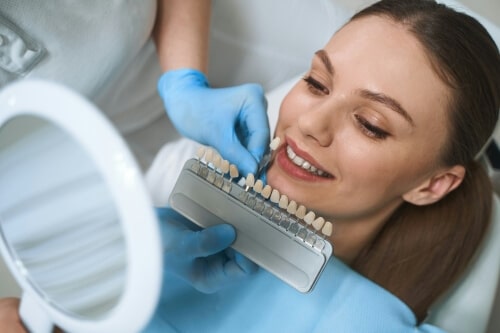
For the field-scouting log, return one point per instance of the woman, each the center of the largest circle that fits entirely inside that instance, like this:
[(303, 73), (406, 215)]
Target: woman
[(396, 137), (393, 111)]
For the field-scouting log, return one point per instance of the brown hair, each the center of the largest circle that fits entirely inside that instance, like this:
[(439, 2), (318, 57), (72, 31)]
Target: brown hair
[(422, 250)]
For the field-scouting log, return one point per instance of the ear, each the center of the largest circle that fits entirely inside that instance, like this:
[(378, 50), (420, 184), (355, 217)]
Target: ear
[(436, 187)]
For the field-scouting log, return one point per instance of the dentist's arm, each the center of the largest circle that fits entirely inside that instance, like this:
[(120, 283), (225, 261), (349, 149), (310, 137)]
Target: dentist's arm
[(10, 322), (232, 120), (181, 34)]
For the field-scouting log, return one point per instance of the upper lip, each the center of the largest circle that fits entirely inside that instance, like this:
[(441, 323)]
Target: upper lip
[(305, 155)]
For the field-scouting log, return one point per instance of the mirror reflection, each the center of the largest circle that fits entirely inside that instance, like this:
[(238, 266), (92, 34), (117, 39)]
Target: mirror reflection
[(58, 218)]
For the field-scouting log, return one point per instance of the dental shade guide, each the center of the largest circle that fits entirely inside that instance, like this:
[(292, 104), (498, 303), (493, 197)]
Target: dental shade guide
[(276, 233)]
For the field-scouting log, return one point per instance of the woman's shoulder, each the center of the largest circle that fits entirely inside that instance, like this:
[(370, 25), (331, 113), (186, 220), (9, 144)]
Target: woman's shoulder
[(365, 306), (342, 301)]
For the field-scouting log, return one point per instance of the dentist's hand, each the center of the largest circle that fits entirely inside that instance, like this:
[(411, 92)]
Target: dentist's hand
[(232, 120), (201, 258)]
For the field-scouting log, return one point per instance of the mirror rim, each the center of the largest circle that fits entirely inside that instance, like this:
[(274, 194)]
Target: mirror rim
[(50, 101)]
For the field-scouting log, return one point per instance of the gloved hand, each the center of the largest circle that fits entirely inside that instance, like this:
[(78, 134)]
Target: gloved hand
[(202, 258), (232, 120)]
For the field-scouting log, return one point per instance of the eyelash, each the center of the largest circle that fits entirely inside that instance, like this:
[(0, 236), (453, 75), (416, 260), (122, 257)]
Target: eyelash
[(371, 130), (315, 86)]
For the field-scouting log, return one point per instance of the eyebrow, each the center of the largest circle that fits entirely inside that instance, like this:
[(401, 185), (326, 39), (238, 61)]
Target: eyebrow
[(389, 102), (323, 56)]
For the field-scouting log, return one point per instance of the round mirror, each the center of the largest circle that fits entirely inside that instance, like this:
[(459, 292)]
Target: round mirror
[(77, 228), (58, 218)]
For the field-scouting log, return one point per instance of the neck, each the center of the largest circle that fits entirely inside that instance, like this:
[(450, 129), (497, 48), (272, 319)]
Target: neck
[(351, 236)]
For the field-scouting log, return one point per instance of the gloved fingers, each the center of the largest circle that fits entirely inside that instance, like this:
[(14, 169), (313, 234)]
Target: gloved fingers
[(254, 121), (243, 262), (218, 272), (245, 136), (164, 213), (172, 223), (206, 242), (234, 151), (212, 116), (178, 238)]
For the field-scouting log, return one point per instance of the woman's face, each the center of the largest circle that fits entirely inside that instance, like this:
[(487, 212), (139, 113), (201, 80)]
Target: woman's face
[(370, 114)]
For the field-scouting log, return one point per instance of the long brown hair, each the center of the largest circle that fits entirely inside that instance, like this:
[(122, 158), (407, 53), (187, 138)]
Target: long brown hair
[(422, 250)]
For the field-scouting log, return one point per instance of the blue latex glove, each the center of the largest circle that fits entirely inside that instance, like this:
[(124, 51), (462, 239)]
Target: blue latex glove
[(202, 258), (232, 120)]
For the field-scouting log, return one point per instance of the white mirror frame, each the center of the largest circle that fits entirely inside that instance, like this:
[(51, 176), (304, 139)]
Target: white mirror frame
[(106, 148)]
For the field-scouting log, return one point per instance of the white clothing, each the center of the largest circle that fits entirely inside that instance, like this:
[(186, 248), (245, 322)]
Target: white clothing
[(101, 49)]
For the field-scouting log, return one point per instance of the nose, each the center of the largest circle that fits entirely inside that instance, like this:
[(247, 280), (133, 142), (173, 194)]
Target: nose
[(317, 124)]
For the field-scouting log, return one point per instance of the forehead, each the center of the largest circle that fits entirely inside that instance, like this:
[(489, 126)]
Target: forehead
[(379, 54)]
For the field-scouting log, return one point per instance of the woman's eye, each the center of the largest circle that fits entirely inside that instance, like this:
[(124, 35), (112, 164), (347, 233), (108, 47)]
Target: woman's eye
[(315, 86), (371, 130)]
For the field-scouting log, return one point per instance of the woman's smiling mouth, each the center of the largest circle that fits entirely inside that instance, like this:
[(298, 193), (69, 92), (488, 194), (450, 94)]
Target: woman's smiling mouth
[(301, 162), (299, 165)]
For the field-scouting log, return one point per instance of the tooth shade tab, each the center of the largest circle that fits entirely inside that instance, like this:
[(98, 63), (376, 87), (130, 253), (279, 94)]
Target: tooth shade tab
[(301, 212), (327, 229), (283, 201), (266, 191), (224, 166), (318, 223), (209, 155), (233, 171), (275, 143), (275, 196), (217, 161), (259, 185), (292, 207), (200, 152), (250, 180), (309, 218)]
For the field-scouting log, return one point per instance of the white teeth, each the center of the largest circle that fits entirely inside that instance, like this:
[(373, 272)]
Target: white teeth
[(297, 160)]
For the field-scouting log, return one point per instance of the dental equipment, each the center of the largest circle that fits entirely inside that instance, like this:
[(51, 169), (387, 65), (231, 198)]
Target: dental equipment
[(275, 233)]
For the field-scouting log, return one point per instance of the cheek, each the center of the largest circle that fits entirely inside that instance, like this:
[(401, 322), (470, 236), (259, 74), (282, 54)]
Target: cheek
[(370, 166), (359, 162), (381, 172), (292, 106)]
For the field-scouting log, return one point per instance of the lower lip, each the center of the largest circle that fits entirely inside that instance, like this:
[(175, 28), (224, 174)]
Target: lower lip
[(294, 170)]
